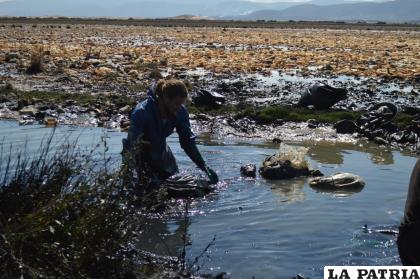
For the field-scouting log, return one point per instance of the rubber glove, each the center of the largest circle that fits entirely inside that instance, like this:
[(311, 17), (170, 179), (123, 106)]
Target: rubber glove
[(212, 175), (195, 155)]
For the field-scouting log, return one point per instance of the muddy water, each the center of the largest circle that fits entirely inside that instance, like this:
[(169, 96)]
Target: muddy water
[(272, 229)]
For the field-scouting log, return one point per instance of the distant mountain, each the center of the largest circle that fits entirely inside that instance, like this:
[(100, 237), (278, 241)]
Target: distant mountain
[(395, 11), (137, 8), (392, 11)]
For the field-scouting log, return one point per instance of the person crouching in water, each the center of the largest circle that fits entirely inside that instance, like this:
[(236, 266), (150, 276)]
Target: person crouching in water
[(409, 236), (154, 119)]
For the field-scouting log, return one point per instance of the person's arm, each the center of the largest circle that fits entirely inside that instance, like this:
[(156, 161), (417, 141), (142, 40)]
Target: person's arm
[(132, 147), (188, 144), (192, 151), (138, 121)]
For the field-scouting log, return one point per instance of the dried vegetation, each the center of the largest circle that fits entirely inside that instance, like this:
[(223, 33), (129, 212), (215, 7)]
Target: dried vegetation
[(127, 51)]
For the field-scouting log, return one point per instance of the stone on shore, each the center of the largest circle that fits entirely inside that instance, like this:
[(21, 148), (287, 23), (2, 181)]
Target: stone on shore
[(345, 127), (249, 170), (281, 169), (322, 96), (29, 110), (205, 98), (338, 181)]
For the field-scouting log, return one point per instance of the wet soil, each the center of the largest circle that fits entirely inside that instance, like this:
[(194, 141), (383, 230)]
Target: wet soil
[(94, 76)]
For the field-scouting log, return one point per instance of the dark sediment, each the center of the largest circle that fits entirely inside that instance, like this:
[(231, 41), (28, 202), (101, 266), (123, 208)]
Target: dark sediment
[(254, 106)]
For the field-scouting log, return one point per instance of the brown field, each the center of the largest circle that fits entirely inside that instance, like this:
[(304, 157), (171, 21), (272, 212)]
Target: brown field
[(125, 53)]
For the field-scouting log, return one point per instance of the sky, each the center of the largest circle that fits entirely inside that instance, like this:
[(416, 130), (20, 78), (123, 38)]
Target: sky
[(268, 1), (273, 1)]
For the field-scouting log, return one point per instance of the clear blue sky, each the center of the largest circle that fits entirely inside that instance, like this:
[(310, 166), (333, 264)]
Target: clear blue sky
[(257, 0)]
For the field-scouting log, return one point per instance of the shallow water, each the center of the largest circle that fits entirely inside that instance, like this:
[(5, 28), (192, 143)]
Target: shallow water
[(270, 229)]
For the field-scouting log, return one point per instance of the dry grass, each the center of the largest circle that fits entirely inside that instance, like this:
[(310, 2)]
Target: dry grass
[(36, 65), (350, 52)]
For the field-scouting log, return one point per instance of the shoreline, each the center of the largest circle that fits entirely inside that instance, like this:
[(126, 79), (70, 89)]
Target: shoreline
[(216, 23), (94, 75), (99, 111)]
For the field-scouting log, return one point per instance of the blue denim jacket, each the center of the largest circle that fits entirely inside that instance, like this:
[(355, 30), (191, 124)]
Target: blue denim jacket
[(146, 121)]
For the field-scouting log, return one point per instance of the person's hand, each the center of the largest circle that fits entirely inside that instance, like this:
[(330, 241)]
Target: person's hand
[(211, 175)]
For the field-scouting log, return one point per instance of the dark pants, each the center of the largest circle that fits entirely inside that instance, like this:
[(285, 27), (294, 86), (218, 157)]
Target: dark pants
[(164, 170), (409, 244), (409, 236), (169, 167)]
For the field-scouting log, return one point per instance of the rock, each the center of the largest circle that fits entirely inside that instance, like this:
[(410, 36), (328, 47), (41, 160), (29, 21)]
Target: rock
[(133, 73), (201, 117), (11, 57), (322, 96), (205, 98), (396, 137), (281, 169), (315, 173), (6, 113), (186, 186), (385, 111), (345, 127), (411, 110), (69, 103), (35, 101), (50, 121), (312, 123), (23, 103), (125, 109), (40, 115), (13, 106), (376, 123), (249, 170), (155, 74), (276, 140), (59, 109), (103, 71), (29, 110), (26, 122), (380, 141), (328, 67), (65, 79), (338, 181), (94, 62)]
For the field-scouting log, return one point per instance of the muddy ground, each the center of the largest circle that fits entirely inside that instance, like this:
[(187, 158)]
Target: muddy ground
[(94, 74)]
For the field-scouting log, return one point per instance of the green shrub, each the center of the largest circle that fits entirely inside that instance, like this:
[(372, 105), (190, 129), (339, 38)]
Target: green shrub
[(271, 114), (403, 119), (63, 216), (36, 64)]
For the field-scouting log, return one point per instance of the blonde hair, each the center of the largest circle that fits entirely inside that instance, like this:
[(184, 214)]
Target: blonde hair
[(171, 88)]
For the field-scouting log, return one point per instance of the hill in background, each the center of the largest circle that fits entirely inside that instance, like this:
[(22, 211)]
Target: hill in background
[(335, 10)]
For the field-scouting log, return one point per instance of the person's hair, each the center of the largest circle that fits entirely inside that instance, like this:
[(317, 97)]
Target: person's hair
[(171, 88)]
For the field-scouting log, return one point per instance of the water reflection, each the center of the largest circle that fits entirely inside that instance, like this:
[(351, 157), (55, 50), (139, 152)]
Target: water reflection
[(339, 193), (373, 248), (163, 237), (289, 191), (381, 156), (327, 153)]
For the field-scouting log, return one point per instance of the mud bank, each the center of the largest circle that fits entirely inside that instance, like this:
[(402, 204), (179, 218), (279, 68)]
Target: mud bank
[(93, 75)]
